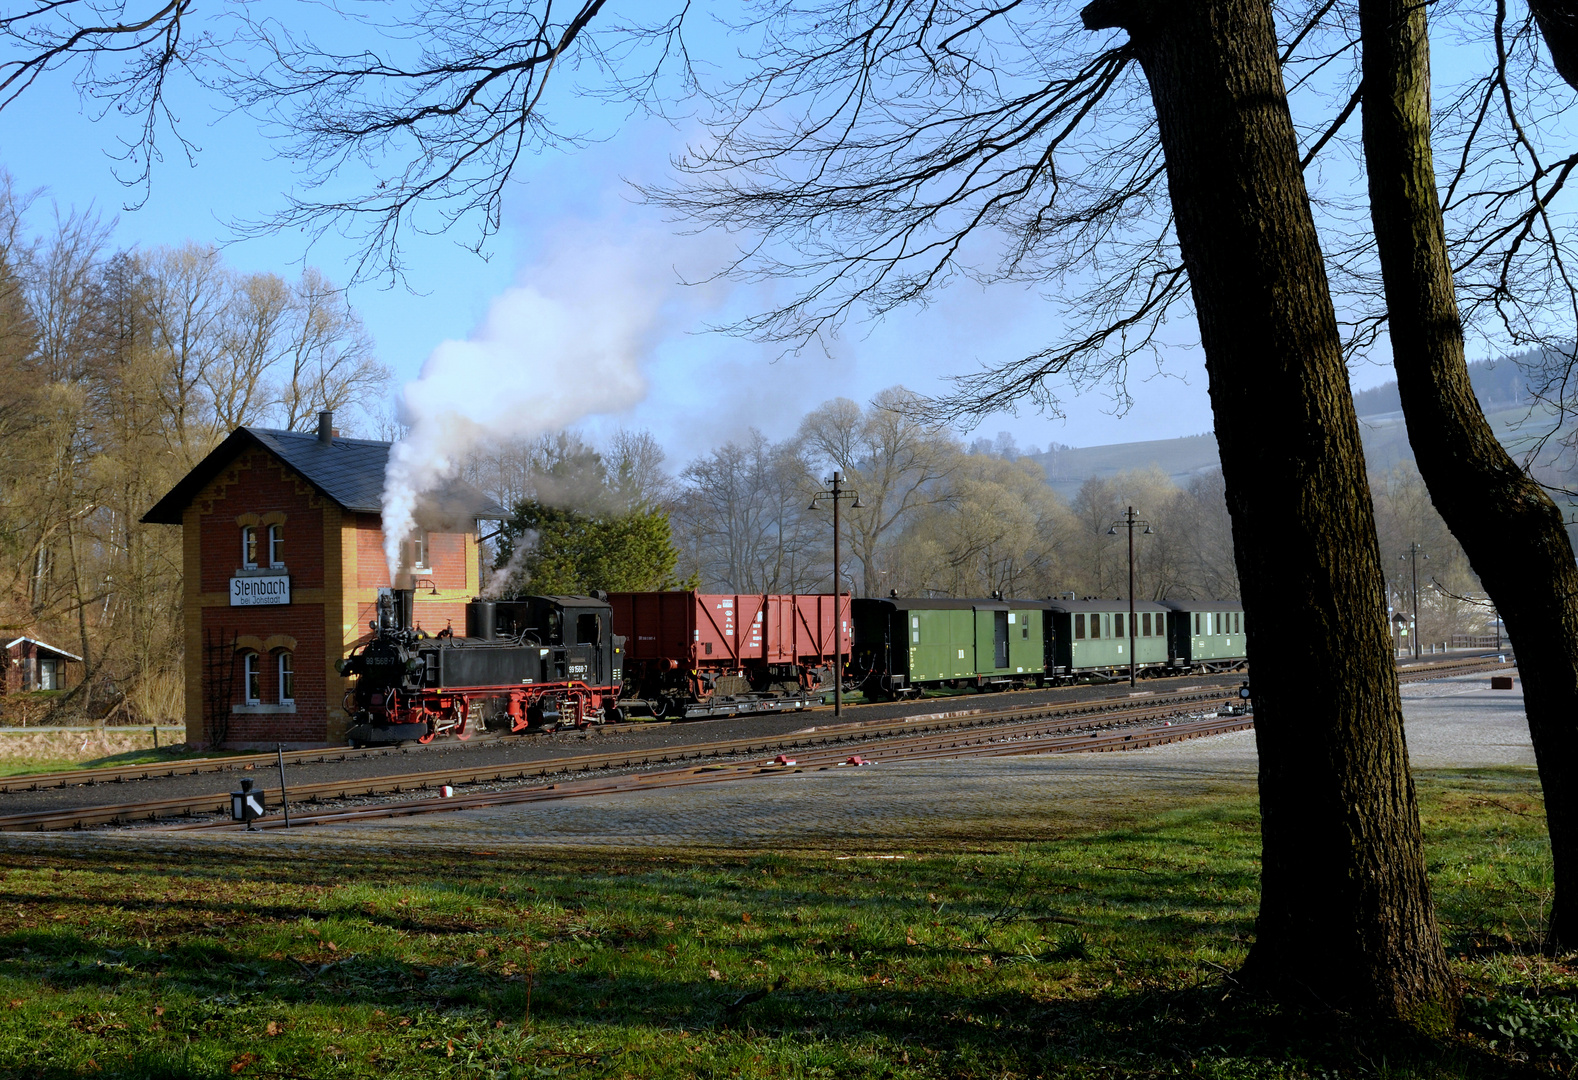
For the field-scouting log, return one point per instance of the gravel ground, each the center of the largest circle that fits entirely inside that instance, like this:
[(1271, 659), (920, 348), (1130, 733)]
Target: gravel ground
[(484, 751)]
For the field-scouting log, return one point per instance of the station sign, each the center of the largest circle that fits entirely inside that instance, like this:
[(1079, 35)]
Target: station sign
[(258, 591)]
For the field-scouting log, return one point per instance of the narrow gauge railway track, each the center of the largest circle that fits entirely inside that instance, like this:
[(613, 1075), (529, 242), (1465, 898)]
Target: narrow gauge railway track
[(1022, 723), (251, 762), (997, 743)]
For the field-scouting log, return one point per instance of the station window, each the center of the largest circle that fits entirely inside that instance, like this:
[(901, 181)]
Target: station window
[(251, 679), (419, 550), (249, 547), (1079, 626), (287, 678), (1117, 626), (276, 546)]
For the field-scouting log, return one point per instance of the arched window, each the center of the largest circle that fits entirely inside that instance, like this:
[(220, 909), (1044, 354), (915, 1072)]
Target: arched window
[(276, 546), (287, 678), (251, 678), (249, 547)]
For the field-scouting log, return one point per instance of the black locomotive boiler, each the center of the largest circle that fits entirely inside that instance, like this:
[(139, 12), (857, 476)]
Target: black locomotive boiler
[(537, 662)]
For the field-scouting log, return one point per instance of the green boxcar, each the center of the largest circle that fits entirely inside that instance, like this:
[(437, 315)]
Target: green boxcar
[(902, 645), (1092, 636), (1207, 635)]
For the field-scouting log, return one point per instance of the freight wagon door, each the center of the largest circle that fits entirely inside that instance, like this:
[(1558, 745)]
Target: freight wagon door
[(999, 639)]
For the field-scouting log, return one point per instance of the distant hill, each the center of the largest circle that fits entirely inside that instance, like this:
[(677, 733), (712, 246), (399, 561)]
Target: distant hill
[(1500, 386)]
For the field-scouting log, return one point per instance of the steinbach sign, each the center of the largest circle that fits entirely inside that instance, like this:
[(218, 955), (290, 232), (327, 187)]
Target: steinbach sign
[(256, 591)]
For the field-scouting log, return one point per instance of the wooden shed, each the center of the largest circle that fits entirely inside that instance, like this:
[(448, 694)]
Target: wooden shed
[(37, 665)]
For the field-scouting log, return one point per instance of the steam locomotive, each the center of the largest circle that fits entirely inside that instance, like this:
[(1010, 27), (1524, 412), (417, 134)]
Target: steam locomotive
[(540, 662)]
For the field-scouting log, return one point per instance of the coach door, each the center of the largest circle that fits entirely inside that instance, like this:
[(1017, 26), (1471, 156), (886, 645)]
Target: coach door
[(1000, 639)]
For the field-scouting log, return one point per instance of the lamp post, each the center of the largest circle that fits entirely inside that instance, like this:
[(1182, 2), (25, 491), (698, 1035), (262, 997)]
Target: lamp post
[(836, 493), (1129, 521), (1413, 553)]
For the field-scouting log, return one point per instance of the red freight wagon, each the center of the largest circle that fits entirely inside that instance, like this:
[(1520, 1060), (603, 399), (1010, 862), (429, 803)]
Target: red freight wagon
[(699, 654)]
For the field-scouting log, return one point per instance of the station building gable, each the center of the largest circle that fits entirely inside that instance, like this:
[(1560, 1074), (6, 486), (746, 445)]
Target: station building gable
[(283, 561)]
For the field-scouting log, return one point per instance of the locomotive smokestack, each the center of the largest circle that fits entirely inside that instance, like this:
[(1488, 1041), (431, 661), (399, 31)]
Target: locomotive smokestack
[(326, 430)]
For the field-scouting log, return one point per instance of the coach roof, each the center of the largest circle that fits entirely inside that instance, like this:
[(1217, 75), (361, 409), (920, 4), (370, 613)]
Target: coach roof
[(348, 471)]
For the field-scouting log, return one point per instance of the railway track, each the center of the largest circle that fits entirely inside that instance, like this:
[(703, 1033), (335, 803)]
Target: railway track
[(998, 743), (961, 731), (252, 762), (1021, 723)]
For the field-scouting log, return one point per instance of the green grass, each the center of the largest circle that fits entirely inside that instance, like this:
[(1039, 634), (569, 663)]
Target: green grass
[(1104, 953), (147, 756)]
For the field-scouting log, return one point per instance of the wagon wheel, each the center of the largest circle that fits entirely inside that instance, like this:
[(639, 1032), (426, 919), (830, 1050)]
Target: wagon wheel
[(427, 736), (462, 729)]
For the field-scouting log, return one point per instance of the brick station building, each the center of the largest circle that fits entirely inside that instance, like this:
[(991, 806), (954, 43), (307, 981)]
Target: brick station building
[(283, 563)]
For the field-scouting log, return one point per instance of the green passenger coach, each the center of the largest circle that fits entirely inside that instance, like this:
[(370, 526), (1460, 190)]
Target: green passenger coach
[(903, 645), (1091, 637), (1207, 635)]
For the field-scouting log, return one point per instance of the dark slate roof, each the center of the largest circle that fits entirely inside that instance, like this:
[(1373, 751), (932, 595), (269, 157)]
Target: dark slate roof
[(1116, 606), (924, 603), (348, 471), (1204, 605)]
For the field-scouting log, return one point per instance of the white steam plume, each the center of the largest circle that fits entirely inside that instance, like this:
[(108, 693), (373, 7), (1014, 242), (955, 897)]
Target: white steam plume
[(564, 344)]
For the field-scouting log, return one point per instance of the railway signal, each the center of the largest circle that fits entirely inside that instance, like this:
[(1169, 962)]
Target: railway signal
[(246, 805)]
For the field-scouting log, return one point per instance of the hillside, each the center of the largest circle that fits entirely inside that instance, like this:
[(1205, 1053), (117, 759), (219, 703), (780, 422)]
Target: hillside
[(1499, 385)]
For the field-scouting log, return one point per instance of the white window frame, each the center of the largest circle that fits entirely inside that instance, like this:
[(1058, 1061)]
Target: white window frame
[(421, 556), (249, 547), (251, 673), (276, 545), (285, 669)]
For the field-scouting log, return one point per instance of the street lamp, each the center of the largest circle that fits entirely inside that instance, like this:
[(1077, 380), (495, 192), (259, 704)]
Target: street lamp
[(1413, 553), (836, 492), (1129, 521)]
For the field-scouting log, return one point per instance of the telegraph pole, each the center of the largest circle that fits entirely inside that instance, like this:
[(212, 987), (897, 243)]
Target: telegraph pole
[(1414, 551), (1129, 521), (836, 493)]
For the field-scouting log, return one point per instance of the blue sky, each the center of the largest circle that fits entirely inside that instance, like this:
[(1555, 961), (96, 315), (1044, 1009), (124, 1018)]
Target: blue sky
[(702, 387)]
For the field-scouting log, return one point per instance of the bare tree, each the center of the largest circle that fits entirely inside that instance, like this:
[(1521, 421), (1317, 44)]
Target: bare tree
[(897, 460)]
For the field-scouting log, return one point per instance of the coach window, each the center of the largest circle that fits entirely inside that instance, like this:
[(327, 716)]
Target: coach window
[(276, 546), (251, 678), (1197, 624), (287, 678), (1117, 626), (249, 547), (1095, 626), (1145, 624), (1079, 626)]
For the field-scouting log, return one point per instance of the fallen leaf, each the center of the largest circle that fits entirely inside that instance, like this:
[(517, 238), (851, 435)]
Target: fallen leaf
[(158, 1010), (242, 1062), (909, 940), (745, 917), (449, 1051), (332, 946), (498, 1023), (273, 1028), (714, 973), (16, 1003), (482, 954)]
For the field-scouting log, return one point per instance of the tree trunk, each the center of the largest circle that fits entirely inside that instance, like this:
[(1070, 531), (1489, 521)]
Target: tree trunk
[(1345, 918), (1508, 526)]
